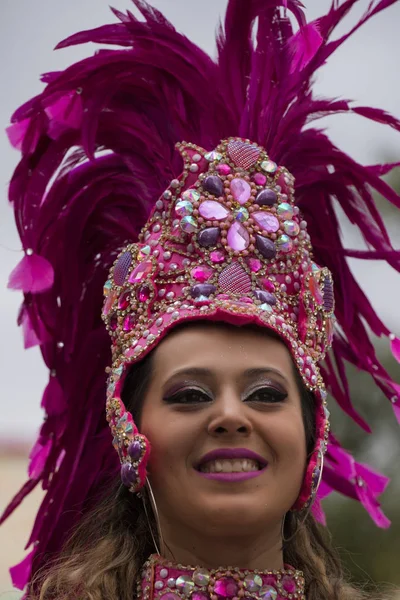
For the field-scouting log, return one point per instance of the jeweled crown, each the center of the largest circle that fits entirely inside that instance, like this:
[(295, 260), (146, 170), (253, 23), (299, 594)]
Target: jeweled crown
[(226, 235)]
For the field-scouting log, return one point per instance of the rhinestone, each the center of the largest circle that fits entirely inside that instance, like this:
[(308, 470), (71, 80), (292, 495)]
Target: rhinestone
[(159, 204), (140, 272), (175, 183), (170, 310), (161, 292), (240, 190), (123, 300), (199, 596), (201, 577), (170, 295), (184, 208), (159, 322), (260, 179), (156, 228), (167, 195), (269, 166), (217, 256), (213, 155), (144, 251), (145, 333), (291, 228), (284, 243), (238, 237), (196, 157), (191, 195), (226, 587), (151, 338), (107, 287), (253, 582), (159, 585), (173, 267), (189, 224), (171, 583), (175, 314), (170, 596), (167, 255), (266, 307), (194, 168), (201, 273), (209, 209), (190, 248), (144, 293), (241, 214), (129, 323), (185, 584), (267, 592)]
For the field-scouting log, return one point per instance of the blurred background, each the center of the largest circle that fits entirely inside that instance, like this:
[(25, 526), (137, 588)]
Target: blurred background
[(365, 69)]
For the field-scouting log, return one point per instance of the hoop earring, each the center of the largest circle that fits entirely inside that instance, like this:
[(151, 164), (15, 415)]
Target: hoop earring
[(308, 509), (156, 516)]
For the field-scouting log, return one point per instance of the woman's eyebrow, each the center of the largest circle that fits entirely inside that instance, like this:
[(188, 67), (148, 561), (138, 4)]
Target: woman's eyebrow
[(209, 373)]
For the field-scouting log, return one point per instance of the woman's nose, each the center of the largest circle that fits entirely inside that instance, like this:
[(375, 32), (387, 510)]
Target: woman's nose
[(229, 417)]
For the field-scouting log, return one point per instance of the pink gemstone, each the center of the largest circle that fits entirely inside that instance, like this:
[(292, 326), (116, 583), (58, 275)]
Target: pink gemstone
[(254, 264), (144, 293), (199, 596), (209, 209), (140, 272), (202, 273), (223, 297), (123, 301), (240, 190), (109, 302), (270, 580), (226, 587), (238, 237), (267, 221), (113, 322), (246, 300), (223, 169), (217, 256), (268, 285), (129, 323), (288, 584), (260, 179)]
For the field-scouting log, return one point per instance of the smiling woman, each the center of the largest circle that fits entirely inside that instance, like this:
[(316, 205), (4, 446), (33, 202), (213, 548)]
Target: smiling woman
[(219, 303)]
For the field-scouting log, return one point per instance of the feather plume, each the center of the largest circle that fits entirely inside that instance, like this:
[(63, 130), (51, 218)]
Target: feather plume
[(97, 150)]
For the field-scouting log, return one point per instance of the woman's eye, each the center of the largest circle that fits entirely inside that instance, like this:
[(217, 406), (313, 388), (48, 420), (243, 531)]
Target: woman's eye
[(188, 397), (267, 395)]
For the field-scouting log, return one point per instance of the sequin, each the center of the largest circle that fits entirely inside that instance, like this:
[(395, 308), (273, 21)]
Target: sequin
[(183, 208), (189, 224), (285, 210)]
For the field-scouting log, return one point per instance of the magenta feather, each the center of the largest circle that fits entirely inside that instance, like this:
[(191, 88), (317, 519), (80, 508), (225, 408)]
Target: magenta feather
[(97, 151)]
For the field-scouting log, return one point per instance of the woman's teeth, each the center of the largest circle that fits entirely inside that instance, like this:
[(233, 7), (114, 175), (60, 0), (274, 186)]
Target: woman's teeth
[(230, 466)]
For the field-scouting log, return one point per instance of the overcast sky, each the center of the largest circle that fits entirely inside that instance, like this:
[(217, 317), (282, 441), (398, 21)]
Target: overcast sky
[(365, 69)]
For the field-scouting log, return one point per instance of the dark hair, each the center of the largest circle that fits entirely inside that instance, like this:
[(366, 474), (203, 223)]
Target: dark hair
[(102, 560)]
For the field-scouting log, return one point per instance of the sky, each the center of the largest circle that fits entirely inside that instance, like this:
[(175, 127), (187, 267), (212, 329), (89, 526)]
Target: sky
[(365, 69)]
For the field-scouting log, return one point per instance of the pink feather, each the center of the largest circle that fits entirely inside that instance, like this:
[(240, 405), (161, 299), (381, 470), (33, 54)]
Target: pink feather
[(33, 274), (395, 348), (304, 45)]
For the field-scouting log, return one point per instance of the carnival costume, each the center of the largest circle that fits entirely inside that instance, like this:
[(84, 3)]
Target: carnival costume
[(196, 190)]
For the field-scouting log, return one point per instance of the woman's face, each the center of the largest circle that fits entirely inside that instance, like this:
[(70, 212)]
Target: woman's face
[(218, 387)]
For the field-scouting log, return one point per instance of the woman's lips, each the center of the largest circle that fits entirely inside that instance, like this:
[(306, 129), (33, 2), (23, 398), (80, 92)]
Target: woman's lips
[(232, 477)]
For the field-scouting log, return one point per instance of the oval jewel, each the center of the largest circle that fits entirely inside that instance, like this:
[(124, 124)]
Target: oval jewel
[(214, 185), (238, 237), (267, 221), (291, 228), (285, 210)]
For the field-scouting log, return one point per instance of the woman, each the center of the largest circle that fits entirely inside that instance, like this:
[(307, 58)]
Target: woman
[(219, 303)]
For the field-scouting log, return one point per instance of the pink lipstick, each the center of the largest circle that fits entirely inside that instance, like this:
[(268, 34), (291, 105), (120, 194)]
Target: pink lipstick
[(232, 453)]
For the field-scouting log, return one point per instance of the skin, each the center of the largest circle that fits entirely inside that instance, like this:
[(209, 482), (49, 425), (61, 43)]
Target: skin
[(213, 523)]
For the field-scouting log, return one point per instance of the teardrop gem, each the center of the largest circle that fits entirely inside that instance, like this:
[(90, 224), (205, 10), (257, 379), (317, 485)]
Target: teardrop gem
[(202, 289), (128, 474), (265, 246), (129, 323), (140, 272), (266, 198), (209, 209), (113, 322), (264, 296), (214, 185), (267, 221), (144, 293), (123, 301), (240, 190), (238, 237), (208, 237)]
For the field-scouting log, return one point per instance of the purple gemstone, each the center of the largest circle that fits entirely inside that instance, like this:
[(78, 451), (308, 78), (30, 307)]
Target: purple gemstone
[(328, 294), (214, 185), (238, 236), (266, 198), (208, 237), (266, 221), (135, 450), (266, 247), (209, 209), (202, 289), (264, 296), (128, 474)]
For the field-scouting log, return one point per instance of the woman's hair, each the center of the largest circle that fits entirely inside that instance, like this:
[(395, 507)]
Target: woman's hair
[(103, 557)]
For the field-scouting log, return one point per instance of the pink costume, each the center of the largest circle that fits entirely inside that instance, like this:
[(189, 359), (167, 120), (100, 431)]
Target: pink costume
[(235, 224)]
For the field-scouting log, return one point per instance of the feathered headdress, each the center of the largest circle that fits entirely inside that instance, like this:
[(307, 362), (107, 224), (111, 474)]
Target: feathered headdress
[(98, 150)]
